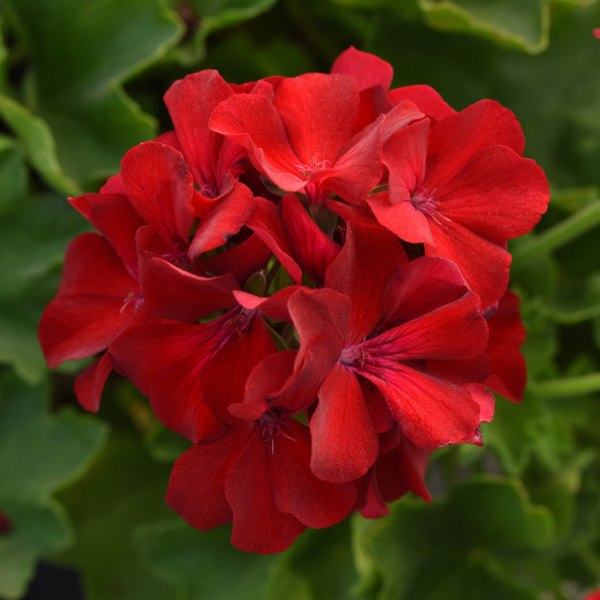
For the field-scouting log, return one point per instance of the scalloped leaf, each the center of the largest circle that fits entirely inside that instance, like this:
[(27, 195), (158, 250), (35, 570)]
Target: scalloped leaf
[(83, 50), (461, 540), (30, 474)]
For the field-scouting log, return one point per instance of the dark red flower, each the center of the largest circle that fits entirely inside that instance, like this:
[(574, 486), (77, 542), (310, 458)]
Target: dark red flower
[(259, 475), (463, 190), (432, 412)]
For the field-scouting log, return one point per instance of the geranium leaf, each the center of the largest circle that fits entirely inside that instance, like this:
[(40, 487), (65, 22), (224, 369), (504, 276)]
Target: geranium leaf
[(461, 540), (96, 45), (30, 474), (124, 488)]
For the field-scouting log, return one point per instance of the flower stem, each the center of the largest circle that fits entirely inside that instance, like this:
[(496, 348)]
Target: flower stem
[(560, 234), (569, 386)]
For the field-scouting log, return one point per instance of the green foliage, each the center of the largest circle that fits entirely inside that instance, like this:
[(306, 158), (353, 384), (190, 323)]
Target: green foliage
[(453, 549), (30, 474)]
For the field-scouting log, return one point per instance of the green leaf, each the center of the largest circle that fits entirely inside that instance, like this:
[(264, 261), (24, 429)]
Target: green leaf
[(218, 14), (38, 144), (13, 175), (82, 51), (124, 488), (165, 445), (197, 562), (575, 300), (453, 549), (319, 566), (33, 241), (39, 453)]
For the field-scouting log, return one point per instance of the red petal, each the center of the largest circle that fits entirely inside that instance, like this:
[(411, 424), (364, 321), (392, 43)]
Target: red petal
[(485, 400), (190, 102), (425, 97), (149, 245), (377, 406), (165, 362), (241, 261), (318, 112), (431, 412), (373, 102), (170, 139), (160, 187), (116, 219), (399, 117), (367, 69), (401, 470), (360, 213), (197, 485), (258, 525), (345, 443), (224, 219), (419, 287), (453, 331), (402, 218), (404, 155), (374, 506), (320, 311), (254, 123), (484, 264), (497, 195), (507, 334), (362, 271), (297, 491), (113, 185), (224, 381), (313, 248), (171, 293), (457, 138), (359, 166), (274, 307), (89, 384), (469, 370), (267, 224), (268, 376), (89, 310)]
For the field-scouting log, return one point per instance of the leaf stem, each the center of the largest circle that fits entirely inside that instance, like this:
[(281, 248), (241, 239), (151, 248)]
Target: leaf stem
[(569, 386), (560, 234)]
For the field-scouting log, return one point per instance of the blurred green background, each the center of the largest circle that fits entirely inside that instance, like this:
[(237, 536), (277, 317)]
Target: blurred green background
[(81, 81)]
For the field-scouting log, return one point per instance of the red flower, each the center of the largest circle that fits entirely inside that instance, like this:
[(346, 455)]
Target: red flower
[(303, 139), (99, 293), (258, 475), (432, 412), (463, 189)]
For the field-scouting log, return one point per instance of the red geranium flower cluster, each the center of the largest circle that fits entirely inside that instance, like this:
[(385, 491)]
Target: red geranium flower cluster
[(390, 213)]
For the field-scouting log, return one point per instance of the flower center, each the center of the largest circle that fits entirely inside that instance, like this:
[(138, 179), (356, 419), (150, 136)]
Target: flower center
[(355, 355), (178, 256), (133, 298), (423, 201), (207, 191), (314, 165), (271, 423)]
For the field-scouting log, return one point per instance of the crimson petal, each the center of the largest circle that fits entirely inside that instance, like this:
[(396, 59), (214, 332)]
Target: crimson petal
[(171, 293), (431, 412), (197, 485), (367, 69), (419, 287), (160, 187), (362, 271), (267, 224), (314, 249), (224, 219), (344, 441), (457, 138), (89, 383), (318, 112), (425, 97), (313, 502), (258, 525)]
